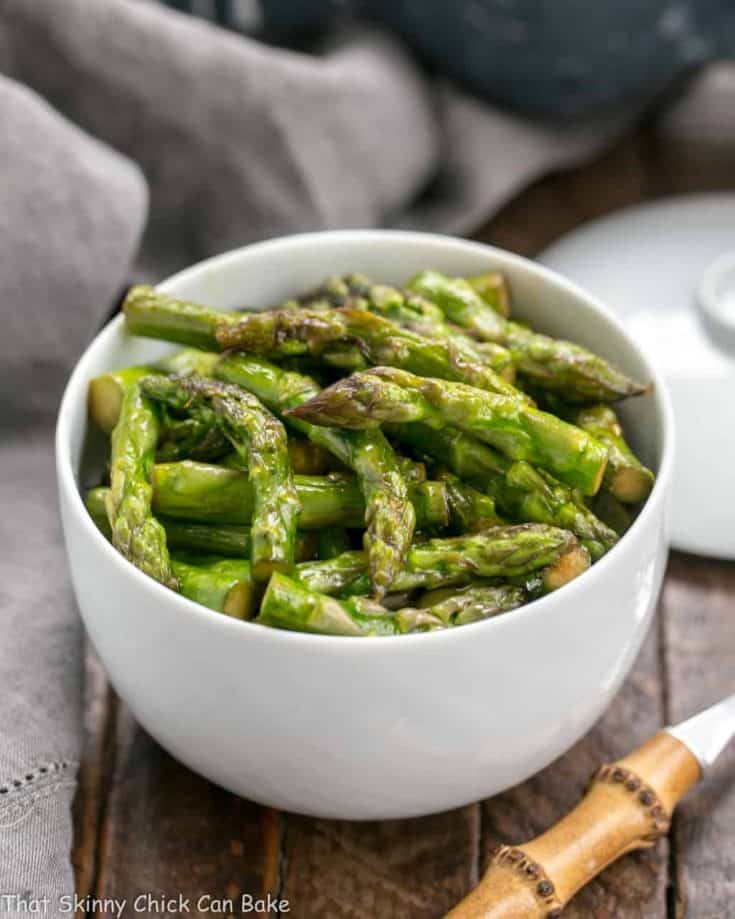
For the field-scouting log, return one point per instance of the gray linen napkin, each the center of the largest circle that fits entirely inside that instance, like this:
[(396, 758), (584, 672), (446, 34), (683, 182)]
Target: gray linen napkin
[(71, 213), (237, 142)]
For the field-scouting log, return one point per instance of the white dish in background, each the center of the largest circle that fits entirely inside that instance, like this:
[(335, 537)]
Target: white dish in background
[(649, 264), (384, 727)]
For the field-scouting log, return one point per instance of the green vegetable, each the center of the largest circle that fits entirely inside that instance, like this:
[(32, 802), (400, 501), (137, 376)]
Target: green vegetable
[(410, 311), (287, 604), (214, 494), (209, 539), (222, 584), (333, 541), (283, 333), (500, 552), (613, 512), (520, 491), (574, 372), (387, 395), (626, 478), (106, 391), (491, 286), (459, 606), (157, 315), (136, 533), (469, 508), (389, 515), (260, 440)]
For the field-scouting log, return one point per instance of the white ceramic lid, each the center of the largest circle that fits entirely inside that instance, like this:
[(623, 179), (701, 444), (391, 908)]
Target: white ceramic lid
[(668, 270)]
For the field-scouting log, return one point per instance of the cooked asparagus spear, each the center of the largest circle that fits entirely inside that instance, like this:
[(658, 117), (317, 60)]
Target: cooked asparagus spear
[(106, 391), (388, 395), (308, 458), (222, 584), (214, 494), (492, 288), (573, 371), (520, 491), (504, 551), (136, 533), (469, 604), (281, 333), (389, 515), (156, 315), (287, 604), (410, 311), (613, 512), (190, 438), (259, 438), (626, 477), (211, 539), (333, 541), (470, 509)]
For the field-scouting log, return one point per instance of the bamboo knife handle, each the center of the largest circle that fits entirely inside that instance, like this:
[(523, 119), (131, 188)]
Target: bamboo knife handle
[(628, 806)]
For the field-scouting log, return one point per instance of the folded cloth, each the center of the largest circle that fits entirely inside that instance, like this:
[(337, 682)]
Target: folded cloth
[(71, 213), (237, 141), (240, 141)]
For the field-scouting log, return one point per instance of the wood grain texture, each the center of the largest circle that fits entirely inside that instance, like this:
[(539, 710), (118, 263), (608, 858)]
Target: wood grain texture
[(391, 869), (94, 772), (170, 832), (699, 630)]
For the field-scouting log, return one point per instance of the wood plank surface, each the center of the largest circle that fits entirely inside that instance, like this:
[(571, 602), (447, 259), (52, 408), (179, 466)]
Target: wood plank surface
[(170, 832), (698, 612), (388, 869), (95, 767)]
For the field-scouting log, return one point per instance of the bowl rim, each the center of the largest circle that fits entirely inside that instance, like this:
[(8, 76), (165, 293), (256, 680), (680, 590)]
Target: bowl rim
[(523, 616)]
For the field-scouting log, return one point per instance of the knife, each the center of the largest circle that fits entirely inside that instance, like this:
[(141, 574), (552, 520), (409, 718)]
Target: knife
[(628, 806)]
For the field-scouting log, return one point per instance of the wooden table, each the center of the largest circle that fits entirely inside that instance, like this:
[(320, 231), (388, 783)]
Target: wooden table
[(145, 824)]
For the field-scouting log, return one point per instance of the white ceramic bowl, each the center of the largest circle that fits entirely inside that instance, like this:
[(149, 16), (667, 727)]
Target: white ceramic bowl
[(387, 727)]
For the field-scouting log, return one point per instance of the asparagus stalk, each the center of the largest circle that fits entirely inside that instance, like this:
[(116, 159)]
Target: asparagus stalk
[(106, 391), (308, 458), (390, 518), (259, 438), (282, 333), (210, 539), (287, 604), (626, 478), (156, 315), (388, 395), (572, 371), (222, 584), (136, 533), (215, 494), (491, 286), (520, 491), (410, 311), (470, 509), (504, 551), (470, 604), (333, 541), (190, 438), (613, 512)]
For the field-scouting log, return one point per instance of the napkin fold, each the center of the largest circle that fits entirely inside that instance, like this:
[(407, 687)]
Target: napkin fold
[(121, 121), (71, 214)]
